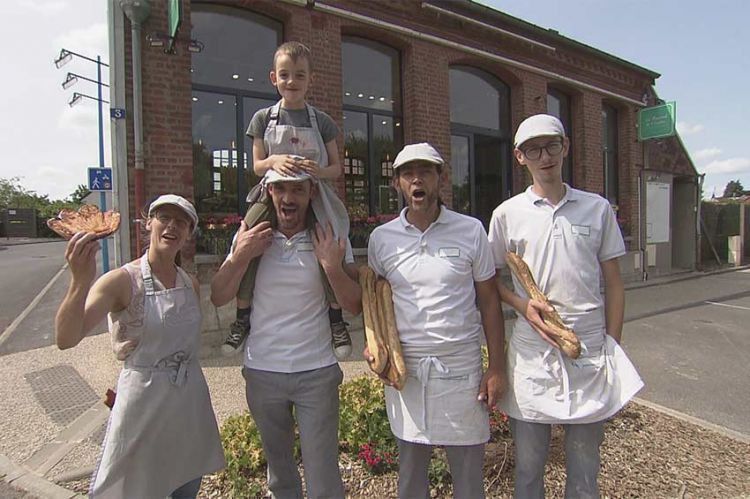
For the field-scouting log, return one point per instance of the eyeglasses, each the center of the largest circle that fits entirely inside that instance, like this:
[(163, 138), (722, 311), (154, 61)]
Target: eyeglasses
[(553, 149), (177, 220)]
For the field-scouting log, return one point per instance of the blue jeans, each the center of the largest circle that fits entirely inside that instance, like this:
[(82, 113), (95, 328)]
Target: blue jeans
[(582, 443), (188, 490)]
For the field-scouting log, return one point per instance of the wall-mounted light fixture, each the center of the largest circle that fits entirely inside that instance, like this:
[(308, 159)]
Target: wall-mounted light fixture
[(159, 39)]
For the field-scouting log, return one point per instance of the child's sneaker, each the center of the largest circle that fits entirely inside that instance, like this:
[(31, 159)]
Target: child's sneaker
[(237, 333), (342, 342)]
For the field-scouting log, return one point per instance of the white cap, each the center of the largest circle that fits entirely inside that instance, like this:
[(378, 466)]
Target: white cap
[(272, 176), (178, 201), (539, 125), (418, 152)]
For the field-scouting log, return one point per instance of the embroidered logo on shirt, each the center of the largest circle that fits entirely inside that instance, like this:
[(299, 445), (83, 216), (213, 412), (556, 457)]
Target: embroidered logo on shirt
[(449, 253), (581, 230)]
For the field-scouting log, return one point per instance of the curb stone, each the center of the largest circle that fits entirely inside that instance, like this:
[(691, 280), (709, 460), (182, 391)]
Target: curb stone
[(24, 479)]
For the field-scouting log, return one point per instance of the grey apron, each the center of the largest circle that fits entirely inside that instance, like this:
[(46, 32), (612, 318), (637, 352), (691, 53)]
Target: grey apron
[(162, 432)]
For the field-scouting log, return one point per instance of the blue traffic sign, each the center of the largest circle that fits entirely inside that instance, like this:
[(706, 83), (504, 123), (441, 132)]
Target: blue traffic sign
[(100, 179)]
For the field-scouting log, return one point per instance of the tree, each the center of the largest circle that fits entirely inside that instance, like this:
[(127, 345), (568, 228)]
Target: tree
[(14, 195), (81, 192), (733, 189)]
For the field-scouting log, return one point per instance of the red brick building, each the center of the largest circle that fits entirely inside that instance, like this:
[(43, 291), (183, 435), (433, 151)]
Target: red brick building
[(457, 74)]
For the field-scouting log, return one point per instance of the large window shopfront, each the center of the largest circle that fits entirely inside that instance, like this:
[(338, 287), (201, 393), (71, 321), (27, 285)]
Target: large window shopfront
[(372, 125), (230, 83)]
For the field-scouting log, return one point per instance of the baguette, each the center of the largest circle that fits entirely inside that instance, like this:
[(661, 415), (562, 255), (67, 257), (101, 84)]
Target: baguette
[(396, 372), (375, 343), (565, 337)]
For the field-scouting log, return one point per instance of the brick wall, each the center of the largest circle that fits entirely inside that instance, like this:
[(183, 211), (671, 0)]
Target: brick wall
[(425, 87)]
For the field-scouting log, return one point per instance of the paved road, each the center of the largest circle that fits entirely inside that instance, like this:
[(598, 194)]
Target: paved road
[(690, 340), (24, 271)]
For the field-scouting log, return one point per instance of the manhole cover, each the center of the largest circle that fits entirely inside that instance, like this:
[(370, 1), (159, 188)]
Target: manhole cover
[(62, 392)]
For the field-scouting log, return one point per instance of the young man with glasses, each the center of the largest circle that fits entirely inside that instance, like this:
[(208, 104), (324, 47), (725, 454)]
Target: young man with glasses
[(569, 239)]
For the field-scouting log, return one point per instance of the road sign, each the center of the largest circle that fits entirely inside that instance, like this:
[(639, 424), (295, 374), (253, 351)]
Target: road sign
[(100, 179), (116, 113), (657, 121)]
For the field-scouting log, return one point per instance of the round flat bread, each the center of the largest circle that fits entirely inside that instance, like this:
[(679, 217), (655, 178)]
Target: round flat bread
[(88, 218)]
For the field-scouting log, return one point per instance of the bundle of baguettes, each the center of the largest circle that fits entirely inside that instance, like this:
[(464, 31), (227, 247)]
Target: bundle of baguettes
[(565, 337), (380, 328)]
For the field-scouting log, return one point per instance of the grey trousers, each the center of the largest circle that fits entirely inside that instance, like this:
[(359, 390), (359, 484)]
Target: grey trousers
[(582, 443), (465, 461), (312, 397)]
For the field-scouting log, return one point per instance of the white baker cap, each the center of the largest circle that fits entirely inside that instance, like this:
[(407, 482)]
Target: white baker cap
[(539, 125), (417, 152), (178, 201)]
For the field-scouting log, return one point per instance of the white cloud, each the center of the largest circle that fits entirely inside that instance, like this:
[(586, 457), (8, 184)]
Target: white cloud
[(711, 152), (89, 41), (684, 128), (45, 7), (731, 165)]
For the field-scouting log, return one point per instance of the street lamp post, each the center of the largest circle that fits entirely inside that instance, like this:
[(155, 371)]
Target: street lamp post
[(64, 58)]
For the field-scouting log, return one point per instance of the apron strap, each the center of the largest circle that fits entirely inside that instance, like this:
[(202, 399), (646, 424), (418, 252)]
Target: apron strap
[(313, 118), (274, 114), (423, 375), (554, 364), (148, 280)]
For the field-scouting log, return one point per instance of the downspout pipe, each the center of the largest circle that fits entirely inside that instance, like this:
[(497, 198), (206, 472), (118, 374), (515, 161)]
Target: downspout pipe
[(137, 12)]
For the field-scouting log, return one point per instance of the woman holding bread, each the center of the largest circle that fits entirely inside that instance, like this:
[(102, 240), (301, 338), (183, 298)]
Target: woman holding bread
[(162, 435), (568, 238)]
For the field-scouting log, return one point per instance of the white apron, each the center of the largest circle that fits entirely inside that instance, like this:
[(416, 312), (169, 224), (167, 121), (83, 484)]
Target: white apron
[(308, 142), (438, 405), (545, 386), (162, 432)]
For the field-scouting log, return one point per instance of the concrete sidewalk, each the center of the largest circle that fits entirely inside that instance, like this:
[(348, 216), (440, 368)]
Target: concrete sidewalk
[(53, 421)]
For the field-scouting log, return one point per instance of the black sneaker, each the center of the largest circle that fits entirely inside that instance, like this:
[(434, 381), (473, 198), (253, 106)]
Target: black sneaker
[(237, 333), (342, 342)]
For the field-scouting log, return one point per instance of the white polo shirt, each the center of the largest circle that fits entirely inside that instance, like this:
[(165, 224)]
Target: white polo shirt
[(289, 326), (432, 275), (563, 246)]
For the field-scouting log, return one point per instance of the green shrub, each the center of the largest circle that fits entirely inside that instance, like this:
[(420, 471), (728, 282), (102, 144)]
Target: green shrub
[(364, 430), (243, 452), (438, 472)]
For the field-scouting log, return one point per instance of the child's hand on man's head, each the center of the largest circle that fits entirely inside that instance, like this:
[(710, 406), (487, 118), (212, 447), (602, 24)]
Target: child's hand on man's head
[(311, 167), (285, 164)]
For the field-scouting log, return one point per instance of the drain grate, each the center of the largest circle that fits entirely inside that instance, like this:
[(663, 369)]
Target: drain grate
[(62, 392)]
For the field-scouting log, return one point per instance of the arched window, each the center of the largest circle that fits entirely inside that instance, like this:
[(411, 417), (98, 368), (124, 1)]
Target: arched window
[(230, 83), (480, 141), (558, 104), (371, 78)]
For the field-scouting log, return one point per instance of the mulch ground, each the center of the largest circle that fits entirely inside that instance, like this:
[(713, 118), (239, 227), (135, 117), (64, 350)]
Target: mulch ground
[(645, 454)]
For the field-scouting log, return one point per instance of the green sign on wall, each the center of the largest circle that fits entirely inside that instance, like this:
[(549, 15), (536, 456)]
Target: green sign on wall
[(657, 121), (174, 19)]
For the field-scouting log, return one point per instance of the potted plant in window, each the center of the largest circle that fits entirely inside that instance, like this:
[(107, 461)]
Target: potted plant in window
[(215, 233)]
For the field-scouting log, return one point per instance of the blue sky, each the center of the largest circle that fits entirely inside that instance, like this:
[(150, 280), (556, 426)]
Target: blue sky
[(700, 48), (702, 51)]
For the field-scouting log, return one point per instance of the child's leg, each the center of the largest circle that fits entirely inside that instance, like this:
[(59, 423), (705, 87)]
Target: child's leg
[(256, 213), (342, 342)]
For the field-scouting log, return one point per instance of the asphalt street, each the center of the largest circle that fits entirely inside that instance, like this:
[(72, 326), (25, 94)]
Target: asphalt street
[(690, 341), (25, 271)]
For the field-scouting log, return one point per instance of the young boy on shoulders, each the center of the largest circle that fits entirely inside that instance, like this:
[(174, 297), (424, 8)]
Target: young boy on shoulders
[(292, 137)]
